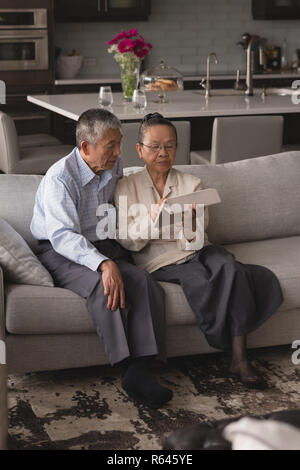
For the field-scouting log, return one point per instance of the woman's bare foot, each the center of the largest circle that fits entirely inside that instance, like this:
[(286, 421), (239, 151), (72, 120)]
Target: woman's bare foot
[(248, 374)]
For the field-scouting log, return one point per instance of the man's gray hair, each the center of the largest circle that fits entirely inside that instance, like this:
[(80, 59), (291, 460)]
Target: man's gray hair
[(93, 123)]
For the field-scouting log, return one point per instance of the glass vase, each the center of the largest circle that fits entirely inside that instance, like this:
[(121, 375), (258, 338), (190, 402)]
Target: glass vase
[(129, 79)]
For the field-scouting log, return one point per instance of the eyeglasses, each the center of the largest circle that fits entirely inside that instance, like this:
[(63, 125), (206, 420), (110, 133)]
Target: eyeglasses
[(156, 148)]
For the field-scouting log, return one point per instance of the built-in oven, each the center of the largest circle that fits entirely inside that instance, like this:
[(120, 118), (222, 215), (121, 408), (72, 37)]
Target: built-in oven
[(25, 18), (24, 49), (23, 39)]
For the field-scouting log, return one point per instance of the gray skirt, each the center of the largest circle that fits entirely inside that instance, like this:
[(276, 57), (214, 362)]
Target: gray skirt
[(228, 298)]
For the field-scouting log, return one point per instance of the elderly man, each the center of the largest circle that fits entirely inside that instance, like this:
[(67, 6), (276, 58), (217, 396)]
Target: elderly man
[(126, 304)]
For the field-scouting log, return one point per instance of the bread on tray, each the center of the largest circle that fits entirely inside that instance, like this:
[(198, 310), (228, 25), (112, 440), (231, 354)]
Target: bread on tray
[(163, 84)]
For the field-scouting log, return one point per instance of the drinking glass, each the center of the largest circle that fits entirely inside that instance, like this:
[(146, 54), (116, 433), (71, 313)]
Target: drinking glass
[(139, 100), (105, 96)]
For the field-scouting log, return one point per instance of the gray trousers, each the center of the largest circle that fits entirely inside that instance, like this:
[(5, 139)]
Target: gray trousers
[(228, 298), (137, 330)]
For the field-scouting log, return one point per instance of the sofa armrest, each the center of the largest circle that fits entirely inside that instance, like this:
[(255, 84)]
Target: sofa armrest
[(2, 316), (3, 371)]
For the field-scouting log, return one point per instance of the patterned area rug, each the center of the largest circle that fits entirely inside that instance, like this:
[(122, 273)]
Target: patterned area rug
[(88, 409)]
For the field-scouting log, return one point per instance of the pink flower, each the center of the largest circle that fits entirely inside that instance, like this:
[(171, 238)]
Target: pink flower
[(132, 32), (121, 35), (126, 45), (141, 48), (131, 41), (112, 41)]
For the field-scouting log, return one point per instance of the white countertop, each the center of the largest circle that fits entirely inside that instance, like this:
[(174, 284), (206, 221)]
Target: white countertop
[(182, 104), (222, 76)]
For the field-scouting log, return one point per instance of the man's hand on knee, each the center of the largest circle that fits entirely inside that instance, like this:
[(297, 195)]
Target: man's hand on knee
[(113, 284)]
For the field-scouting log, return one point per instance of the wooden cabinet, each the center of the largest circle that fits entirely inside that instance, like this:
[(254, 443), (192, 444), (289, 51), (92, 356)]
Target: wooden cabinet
[(125, 9), (75, 10), (276, 9), (101, 10)]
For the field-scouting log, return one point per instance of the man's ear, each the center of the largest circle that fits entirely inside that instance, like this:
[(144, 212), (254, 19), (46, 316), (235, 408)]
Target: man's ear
[(84, 147)]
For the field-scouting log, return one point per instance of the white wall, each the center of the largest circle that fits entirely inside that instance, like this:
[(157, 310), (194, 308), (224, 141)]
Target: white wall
[(182, 32)]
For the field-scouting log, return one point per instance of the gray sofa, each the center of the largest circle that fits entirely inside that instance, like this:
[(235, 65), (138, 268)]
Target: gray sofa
[(48, 328)]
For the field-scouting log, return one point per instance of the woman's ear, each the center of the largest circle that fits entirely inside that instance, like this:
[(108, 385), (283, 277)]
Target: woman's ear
[(139, 150)]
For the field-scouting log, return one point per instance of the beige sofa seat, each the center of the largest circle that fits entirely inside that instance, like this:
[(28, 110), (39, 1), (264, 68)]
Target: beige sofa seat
[(37, 310)]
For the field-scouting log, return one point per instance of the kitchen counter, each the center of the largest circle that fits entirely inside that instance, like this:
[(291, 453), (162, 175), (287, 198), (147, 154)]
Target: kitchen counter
[(90, 80), (183, 104)]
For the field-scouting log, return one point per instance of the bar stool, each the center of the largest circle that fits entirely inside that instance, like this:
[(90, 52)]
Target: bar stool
[(241, 137), (26, 160), (37, 140)]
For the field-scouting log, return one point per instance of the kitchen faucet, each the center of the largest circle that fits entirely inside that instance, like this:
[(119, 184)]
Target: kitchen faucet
[(205, 83), (250, 58)]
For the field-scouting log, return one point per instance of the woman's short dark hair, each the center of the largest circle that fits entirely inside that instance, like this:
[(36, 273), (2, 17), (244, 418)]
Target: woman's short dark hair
[(154, 119)]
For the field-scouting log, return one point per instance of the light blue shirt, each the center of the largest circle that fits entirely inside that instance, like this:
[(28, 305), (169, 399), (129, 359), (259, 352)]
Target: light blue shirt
[(65, 207)]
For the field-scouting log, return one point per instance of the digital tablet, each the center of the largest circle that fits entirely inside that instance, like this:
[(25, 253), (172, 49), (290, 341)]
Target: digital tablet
[(204, 196)]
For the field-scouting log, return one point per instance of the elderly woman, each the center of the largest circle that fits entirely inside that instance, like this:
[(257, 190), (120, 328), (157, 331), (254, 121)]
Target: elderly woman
[(228, 298)]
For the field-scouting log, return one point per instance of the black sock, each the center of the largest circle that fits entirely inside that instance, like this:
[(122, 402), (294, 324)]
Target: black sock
[(142, 361), (140, 383)]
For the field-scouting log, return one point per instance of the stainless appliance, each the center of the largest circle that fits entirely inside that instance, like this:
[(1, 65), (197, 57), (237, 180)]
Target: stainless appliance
[(27, 18), (23, 39)]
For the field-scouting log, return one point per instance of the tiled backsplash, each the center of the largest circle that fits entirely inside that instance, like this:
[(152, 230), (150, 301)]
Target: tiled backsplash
[(182, 32)]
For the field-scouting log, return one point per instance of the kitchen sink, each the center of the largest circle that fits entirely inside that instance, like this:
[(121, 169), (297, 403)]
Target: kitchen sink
[(220, 92), (281, 91), (257, 92)]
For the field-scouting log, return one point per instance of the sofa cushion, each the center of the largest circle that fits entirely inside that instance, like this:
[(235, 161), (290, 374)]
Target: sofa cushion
[(18, 261), (17, 195), (44, 310), (260, 197)]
